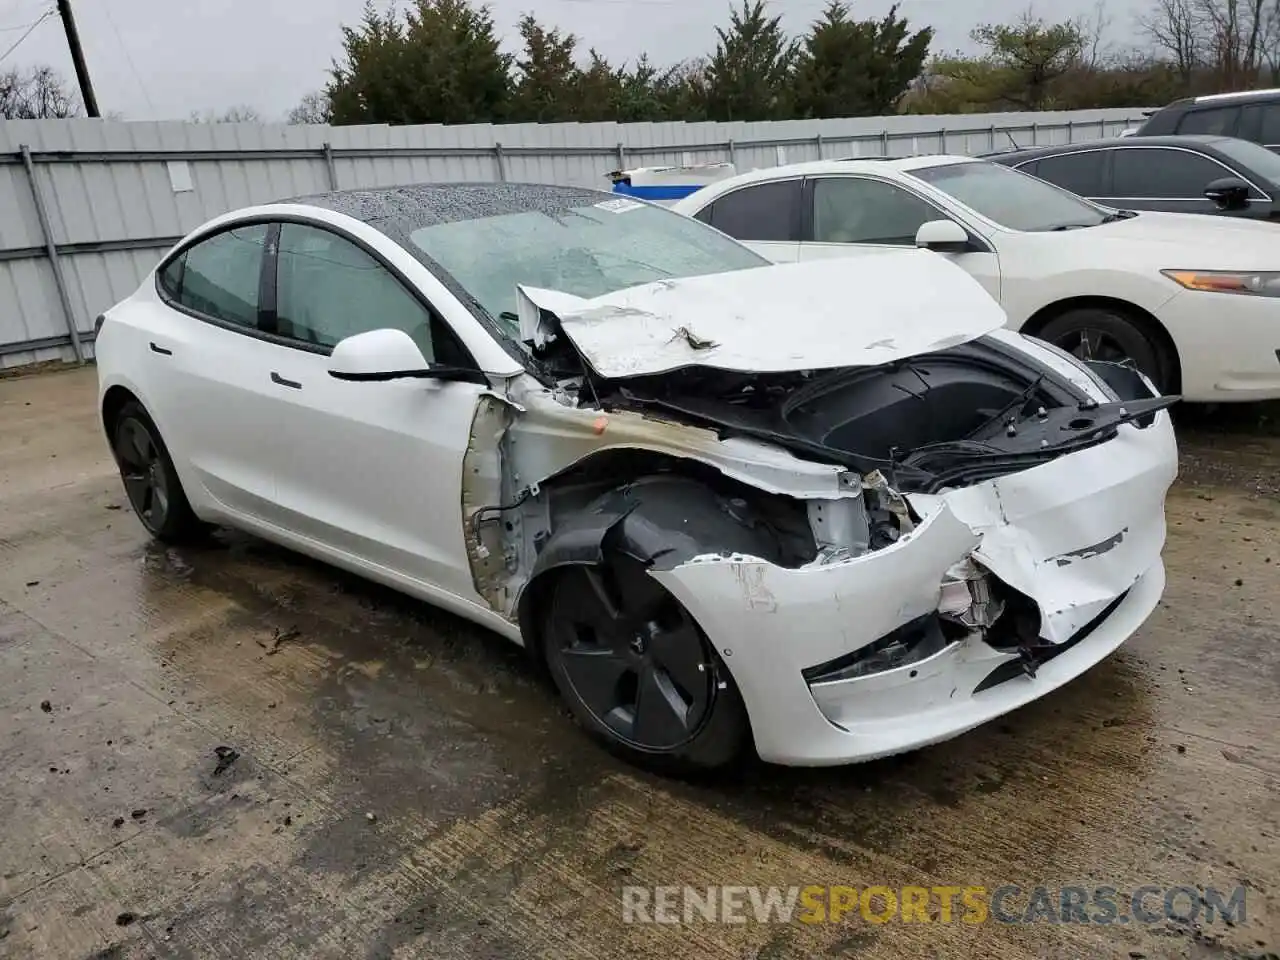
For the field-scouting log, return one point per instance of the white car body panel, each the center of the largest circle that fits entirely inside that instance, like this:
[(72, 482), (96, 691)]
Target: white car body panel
[(838, 315), (385, 479), (1046, 530), (1226, 343)]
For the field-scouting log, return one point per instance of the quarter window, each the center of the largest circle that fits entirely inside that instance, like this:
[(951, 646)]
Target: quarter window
[(765, 212), (219, 277), (328, 289), (1152, 173), (1216, 121), (854, 210)]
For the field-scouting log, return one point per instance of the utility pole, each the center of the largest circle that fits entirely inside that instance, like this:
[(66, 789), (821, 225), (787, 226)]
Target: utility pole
[(77, 57)]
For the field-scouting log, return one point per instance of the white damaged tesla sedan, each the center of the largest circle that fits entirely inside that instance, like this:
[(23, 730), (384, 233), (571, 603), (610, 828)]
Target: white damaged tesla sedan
[(832, 510)]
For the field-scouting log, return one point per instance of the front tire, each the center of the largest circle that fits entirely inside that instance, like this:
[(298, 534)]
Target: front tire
[(1100, 333), (636, 671), (149, 477)]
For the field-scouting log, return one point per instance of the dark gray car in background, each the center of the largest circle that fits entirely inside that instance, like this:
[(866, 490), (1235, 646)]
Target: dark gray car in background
[(1224, 176)]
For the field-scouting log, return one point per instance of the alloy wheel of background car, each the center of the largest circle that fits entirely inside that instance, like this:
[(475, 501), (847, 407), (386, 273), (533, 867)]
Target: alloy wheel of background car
[(1093, 333), (150, 480), (629, 658)]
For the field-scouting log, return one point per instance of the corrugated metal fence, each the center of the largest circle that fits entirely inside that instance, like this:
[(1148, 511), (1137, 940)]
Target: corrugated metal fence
[(87, 207)]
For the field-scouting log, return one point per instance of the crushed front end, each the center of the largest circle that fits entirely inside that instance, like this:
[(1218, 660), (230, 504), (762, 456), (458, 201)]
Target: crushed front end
[(981, 594)]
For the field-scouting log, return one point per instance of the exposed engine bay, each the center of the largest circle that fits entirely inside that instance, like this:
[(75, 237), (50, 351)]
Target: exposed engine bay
[(928, 423)]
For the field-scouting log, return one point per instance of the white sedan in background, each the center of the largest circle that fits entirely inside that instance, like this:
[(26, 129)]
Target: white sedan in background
[(1193, 302), (722, 502)]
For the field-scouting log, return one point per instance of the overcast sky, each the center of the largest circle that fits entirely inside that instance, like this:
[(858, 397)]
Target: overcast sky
[(153, 59)]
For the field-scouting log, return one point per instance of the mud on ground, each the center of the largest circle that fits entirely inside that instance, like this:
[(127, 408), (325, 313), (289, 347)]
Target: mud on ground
[(235, 752)]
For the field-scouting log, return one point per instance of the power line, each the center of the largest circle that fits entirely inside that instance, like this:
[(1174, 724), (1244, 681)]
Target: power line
[(128, 57), (47, 14)]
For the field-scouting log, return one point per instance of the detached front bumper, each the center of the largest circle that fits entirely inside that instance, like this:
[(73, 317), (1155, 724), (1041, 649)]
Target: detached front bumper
[(1080, 536)]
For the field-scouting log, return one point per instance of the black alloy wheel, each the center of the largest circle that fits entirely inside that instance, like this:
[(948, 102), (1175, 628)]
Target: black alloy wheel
[(143, 472), (631, 657), (150, 479), (1109, 335)]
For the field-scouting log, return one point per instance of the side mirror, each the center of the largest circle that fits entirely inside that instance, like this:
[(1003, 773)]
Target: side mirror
[(391, 355), (943, 236), (1228, 193)]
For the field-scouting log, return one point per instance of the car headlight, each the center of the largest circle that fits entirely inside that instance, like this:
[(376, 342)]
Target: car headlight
[(1265, 284)]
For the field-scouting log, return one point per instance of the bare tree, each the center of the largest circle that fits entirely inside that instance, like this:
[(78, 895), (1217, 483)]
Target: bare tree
[(35, 94), (1093, 29), (313, 108), (240, 113), (1177, 29)]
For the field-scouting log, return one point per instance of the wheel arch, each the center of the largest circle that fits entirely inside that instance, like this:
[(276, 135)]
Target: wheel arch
[(1143, 319), (635, 516), (113, 401)]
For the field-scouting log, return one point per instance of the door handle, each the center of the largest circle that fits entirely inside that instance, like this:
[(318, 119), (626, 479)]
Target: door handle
[(163, 351), (276, 378)]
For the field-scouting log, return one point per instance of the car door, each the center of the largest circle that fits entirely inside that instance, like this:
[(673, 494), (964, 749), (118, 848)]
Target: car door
[(1086, 173), (764, 216), (207, 376), (371, 469), (1173, 179), (858, 216)]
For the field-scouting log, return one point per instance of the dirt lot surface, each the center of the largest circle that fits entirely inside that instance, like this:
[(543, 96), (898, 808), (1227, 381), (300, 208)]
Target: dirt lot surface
[(234, 752)]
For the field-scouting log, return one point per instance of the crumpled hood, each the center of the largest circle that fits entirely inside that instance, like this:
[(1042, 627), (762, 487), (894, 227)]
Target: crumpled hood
[(845, 312)]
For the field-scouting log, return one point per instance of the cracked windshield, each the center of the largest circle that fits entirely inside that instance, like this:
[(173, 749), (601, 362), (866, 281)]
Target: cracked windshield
[(586, 251)]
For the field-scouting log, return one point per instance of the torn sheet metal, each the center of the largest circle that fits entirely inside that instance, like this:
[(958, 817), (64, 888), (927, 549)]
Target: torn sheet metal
[(796, 316), (769, 623), (555, 437), (1075, 533)]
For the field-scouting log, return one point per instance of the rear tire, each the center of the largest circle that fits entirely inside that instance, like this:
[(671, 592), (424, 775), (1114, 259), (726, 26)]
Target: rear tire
[(1100, 333), (150, 480), (636, 671)]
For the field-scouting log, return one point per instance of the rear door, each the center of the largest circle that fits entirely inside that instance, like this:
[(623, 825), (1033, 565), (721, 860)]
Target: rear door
[(207, 372), (1086, 173), (764, 216), (850, 216)]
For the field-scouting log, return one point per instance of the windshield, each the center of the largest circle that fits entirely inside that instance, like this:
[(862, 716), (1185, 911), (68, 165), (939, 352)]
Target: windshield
[(586, 251), (1011, 198), (1255, 159)]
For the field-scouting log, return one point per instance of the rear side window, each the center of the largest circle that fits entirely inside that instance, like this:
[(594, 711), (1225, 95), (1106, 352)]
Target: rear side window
[(1159, 174), (764, 212), (1214, 121), (1081, 173), (219, 277)]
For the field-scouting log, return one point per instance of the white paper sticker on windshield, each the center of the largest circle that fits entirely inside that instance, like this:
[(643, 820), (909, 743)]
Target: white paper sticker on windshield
[(619, 206)]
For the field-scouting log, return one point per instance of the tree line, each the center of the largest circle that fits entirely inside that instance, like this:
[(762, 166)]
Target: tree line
[(442, 61)]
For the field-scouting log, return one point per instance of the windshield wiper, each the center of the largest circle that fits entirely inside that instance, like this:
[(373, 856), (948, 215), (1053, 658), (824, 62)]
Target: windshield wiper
[(1119, 215)]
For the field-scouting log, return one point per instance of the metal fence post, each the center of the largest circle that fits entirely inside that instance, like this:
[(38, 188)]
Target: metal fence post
[(884, 143), (328, 162), (733, 153), (502, 164), (818, 140), (1071, 136), (622, 157), (51, 249), (1035, 133)]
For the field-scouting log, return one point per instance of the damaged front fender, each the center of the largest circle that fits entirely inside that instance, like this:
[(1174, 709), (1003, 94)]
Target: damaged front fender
[(661, 521)]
